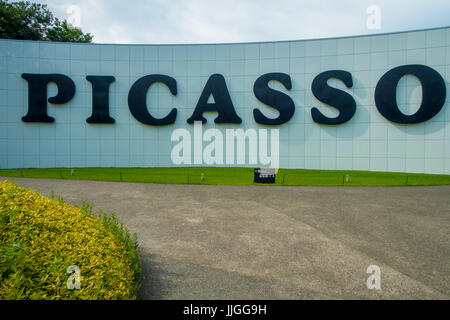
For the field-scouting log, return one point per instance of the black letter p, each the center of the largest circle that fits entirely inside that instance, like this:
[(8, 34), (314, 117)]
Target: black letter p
[(37, 95)]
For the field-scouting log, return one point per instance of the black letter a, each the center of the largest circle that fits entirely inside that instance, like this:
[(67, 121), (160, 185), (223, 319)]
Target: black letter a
[(216, 87)]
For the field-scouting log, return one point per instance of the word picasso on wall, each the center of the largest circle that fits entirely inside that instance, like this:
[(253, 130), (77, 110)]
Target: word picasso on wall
[(433, 97)]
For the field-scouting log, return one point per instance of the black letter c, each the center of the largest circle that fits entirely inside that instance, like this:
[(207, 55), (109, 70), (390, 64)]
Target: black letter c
[(137, 99)]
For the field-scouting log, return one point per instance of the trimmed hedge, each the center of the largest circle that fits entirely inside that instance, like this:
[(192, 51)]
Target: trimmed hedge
[(41, 237)]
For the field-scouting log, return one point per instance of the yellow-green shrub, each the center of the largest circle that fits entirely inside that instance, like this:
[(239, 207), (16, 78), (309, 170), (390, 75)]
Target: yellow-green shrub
[(41, 237)]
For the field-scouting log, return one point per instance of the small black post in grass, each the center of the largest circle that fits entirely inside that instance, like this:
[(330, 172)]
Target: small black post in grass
[(188, 179), (60, 174), (72, 172), (283, 178), (407, 178), (120, 176), (21, 172)]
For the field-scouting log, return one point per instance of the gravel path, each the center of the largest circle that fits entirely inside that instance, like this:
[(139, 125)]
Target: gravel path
[(261, 242)]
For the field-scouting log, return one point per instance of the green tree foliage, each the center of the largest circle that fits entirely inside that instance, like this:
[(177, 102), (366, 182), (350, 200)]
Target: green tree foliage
[(33, 21), (64, 32)]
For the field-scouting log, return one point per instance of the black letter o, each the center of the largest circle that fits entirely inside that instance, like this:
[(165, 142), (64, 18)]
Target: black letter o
[(433, 94)]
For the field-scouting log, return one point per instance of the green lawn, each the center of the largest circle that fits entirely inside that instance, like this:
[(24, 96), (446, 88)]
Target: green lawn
[(234, 176)]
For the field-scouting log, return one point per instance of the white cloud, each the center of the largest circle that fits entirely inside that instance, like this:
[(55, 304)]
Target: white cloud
[(200, 21)]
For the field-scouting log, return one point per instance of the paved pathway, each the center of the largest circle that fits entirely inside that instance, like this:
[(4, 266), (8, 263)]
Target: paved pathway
[(261, 242)]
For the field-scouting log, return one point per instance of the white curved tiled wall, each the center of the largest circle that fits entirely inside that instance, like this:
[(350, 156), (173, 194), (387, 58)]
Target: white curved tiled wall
[(367, 142)]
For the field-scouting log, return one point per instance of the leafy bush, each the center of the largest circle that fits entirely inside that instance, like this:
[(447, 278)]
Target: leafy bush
[(41, 237)]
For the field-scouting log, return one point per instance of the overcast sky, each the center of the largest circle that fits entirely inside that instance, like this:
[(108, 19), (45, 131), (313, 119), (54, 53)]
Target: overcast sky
[(218, 21)]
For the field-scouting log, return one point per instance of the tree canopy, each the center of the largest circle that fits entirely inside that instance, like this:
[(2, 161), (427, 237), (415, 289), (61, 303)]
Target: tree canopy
[(33, 21)]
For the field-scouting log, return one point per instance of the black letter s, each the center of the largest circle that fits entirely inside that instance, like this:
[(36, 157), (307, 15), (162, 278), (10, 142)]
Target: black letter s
[(276, 99), (334, 97)]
